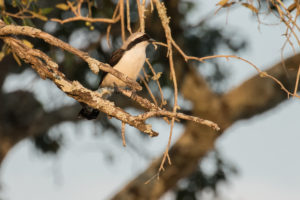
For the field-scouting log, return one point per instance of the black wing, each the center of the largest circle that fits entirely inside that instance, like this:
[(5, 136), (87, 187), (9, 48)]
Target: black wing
[(114, 59), (88, 112)]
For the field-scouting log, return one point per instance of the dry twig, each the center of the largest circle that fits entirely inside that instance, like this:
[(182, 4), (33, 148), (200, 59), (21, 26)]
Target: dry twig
[(163, 102), (128, 16), (162, 12), (297, 82), (123, 134)]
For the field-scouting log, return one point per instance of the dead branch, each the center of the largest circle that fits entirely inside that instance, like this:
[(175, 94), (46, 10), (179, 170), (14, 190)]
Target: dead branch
[(87, 19), (46, 68), (156, 111), (162, 12), (94, 64)]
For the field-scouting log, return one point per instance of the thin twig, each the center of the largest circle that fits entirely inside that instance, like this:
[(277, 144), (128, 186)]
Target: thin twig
[(122, 20), (261, 73), (165, 23), (116, 11), (169, 114), (149, 90), (163, 102), (297, 82), (123, 134), (87, 19), (145, 74), (128, 16), (141, 16)]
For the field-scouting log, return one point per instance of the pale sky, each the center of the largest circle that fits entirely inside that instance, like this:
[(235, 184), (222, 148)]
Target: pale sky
[(264, 148)]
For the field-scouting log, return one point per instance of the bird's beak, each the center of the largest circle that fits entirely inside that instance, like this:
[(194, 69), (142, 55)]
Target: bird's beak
[(151, 40)]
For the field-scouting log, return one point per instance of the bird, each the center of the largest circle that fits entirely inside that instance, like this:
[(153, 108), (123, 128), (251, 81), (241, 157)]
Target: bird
[(129, 59)]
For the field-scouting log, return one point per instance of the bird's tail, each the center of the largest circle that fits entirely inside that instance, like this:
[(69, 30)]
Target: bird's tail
[(88, 112)]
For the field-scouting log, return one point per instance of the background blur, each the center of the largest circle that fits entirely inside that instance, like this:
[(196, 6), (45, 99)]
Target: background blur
[(86, 160)]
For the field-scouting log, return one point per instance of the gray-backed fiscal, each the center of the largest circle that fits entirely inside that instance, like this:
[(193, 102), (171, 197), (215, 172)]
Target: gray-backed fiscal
[(129, 60)]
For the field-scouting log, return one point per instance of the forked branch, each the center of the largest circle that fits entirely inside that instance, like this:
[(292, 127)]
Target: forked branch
[(47, 68)]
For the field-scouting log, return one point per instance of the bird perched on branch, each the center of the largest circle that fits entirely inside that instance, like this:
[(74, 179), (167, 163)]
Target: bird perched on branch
[(129, 60)]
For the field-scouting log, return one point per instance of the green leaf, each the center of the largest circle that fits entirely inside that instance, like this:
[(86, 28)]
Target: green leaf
[(28, 22), (17, 3), (45, 11), (5, 51), (24, 2), (14, 3), (8, 20)]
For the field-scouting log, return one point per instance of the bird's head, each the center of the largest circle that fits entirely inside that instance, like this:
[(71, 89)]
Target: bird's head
[(138, 38)]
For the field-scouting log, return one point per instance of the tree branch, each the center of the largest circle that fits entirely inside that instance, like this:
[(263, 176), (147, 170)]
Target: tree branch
[(250, 98), (259, 94), (46, 68), (94, 64)]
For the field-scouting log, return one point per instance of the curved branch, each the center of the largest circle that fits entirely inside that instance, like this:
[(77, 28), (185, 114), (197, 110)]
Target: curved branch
[(46, 68), (94, 64), (87, 19), (259, 94)]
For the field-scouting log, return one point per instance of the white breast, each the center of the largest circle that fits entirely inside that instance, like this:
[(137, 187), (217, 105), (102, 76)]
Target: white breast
[(130, 64)]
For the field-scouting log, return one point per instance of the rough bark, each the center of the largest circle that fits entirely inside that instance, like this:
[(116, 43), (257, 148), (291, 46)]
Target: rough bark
[(252, 97)]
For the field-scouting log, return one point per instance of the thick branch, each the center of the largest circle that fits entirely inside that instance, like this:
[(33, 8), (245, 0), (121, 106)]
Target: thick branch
[(46, 68)]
